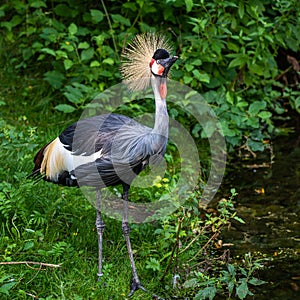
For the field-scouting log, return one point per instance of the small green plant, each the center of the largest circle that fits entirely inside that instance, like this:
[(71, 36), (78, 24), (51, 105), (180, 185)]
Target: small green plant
[(207, 287), (7, 282), (58, 250), (153, 264), (189, 258), (239, 279)]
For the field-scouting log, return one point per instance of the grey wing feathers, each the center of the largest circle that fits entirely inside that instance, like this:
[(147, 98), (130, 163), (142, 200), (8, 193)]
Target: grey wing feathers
[(125, 152)]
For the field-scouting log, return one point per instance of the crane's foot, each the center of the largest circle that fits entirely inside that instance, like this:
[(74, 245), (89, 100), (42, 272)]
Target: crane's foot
[(134, 286)]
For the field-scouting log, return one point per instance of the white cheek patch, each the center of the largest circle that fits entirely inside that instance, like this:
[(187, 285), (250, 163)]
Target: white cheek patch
[(157, 69)]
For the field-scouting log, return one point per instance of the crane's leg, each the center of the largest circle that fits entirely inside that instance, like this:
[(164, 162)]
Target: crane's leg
[(135, 282), (100, 229)]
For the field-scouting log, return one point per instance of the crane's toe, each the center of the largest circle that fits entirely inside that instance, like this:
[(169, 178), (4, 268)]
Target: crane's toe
[(134, 286)]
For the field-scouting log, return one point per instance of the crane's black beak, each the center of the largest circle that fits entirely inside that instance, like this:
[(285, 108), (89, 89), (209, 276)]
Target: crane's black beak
[(167, 64)]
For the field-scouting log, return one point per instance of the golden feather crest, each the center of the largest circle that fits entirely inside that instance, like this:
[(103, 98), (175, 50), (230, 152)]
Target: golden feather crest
[(137, 56)]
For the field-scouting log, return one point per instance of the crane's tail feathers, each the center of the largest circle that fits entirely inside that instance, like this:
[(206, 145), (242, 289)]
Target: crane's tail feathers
[(50, 164), (38, 159), (41, 162), (36, 176)]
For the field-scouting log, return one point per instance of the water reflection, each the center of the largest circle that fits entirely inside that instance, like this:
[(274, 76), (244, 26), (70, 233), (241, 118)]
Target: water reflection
[(269, 202)]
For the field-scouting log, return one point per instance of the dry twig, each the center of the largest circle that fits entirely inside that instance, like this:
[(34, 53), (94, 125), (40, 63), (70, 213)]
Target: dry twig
[(41, 264)]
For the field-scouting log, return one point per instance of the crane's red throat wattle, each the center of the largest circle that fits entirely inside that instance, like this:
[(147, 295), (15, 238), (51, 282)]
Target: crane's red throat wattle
[(163, 89)]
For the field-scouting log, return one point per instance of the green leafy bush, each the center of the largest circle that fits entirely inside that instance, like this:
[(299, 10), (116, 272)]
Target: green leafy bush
[(241, 55)]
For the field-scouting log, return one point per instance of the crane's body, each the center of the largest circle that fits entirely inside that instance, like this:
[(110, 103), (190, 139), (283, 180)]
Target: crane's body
[(112, 149), (120, 149)]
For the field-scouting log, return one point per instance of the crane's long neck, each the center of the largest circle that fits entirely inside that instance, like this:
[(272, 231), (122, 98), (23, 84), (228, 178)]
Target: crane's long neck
[(161, 125)]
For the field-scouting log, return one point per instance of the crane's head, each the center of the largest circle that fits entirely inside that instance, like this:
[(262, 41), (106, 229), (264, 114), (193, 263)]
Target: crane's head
[(161, 63), (146, 57)]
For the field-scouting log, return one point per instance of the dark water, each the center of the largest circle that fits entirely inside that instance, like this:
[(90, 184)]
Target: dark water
[(269, 202)]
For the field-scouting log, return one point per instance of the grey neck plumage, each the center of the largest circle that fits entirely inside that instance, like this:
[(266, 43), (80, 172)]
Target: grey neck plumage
[(161, 125)]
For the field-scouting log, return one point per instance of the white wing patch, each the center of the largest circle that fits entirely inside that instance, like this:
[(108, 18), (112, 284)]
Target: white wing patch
[(58, 159)]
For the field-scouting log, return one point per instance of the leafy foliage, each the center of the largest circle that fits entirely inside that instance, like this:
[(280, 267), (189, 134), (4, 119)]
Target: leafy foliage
[(44, 223), (241, 56), (236, 279), (7, 283), (56, 56)]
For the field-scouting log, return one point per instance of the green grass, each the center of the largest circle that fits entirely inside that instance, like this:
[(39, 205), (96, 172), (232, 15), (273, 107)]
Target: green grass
[(50, 224), (56, 225), (76, 276), (68, 237)]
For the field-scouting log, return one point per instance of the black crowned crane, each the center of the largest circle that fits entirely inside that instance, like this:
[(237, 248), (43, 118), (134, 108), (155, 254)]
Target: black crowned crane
[(118, 147)]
